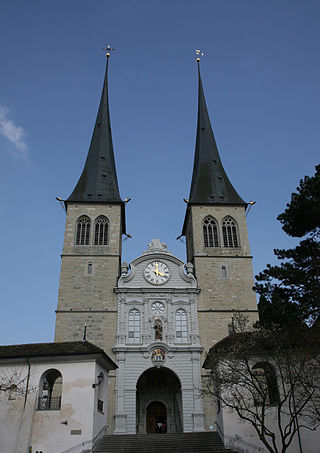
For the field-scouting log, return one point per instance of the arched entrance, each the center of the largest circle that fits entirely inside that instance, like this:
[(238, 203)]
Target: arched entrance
[(156, 417), (159, 401)]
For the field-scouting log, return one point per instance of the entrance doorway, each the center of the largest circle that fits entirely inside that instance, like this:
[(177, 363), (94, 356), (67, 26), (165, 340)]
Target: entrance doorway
[(156, 417), (159, 401)]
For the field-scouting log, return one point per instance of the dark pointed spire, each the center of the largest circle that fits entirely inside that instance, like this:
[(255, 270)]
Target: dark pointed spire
[(98, 182), (210, 184)]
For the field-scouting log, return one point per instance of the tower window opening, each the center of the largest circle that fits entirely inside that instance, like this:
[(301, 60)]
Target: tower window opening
[(89, 268), (181, 326), (101, 231), (134, 326), (230, 233), (210, 232), (83, 231)]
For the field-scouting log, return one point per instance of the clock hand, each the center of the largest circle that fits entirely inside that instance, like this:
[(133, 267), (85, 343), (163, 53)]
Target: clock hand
[(158, 273)]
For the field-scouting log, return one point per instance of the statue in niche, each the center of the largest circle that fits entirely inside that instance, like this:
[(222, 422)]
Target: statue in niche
[(157, 326)]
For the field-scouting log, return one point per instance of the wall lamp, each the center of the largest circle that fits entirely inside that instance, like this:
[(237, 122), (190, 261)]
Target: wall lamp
[(100, 379)]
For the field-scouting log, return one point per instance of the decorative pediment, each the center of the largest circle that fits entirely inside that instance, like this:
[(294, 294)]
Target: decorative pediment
[(155, 246), (156, 268)]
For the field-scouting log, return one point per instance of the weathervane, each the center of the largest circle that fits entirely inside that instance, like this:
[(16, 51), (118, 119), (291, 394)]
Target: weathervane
[(108, 49), (199, 53)]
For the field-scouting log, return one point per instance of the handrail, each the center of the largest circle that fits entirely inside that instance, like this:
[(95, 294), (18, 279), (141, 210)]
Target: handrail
[(98, 436), (236, 441), (220, 431), (87, 443), (75, 448)]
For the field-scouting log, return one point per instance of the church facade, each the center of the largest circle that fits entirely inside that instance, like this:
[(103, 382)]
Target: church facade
[(156, 316), (158, 345)]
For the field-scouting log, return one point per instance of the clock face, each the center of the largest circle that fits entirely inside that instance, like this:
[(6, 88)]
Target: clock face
[(157, 273)]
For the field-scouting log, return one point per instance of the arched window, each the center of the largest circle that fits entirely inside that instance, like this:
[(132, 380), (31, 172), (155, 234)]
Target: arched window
[(210, 232), (101, 392), (181, 326), (230, 233), (101, 231), (134, 326), (83, 230), (265, 384), (50, 390)]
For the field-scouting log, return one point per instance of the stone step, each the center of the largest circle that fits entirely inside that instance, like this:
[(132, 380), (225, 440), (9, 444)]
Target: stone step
[(162, 443)]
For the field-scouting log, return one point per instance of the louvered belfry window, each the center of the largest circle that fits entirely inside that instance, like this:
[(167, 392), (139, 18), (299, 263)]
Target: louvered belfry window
[(101, 231), (83, 231), (230, 233), (210, 232)]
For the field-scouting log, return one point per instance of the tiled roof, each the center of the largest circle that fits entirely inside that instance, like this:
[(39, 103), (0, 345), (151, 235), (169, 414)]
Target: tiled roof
[(50, 349), (252, 343)]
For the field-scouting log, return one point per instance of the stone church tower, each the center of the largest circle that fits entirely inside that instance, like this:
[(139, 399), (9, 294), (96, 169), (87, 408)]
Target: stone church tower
[(91, 254), (217, 239), (157, 316)]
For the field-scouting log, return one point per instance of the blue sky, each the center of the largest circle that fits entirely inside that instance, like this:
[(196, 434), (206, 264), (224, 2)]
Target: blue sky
[(261, 75)]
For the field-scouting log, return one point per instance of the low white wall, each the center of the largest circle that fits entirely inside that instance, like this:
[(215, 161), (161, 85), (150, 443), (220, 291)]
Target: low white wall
[(52, 431), (242, 436)]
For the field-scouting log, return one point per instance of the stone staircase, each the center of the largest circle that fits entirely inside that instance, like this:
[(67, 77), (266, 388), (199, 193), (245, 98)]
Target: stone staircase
[(162, 443)]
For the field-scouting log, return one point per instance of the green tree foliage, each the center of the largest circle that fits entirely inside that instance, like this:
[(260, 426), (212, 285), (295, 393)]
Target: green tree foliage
[(302, 215), (290, 292)]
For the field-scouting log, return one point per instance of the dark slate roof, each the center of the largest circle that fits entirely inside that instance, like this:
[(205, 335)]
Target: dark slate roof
[(210, 183), (98, 182), (30, 350), (254, 343)]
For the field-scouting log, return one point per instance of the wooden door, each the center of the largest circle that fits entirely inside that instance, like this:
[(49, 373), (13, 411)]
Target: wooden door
[(156, 413)]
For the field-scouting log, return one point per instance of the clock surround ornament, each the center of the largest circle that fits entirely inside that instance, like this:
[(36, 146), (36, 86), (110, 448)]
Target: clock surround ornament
[(157, 273)]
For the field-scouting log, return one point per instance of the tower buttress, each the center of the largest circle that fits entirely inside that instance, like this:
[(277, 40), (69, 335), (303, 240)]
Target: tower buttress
[(90, 264), (217, 238)]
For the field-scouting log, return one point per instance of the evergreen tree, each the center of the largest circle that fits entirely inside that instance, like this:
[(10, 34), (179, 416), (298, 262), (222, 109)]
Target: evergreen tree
[(290, 292)]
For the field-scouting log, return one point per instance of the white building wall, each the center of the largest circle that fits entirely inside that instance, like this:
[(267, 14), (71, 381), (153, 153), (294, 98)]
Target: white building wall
[(51, 431)]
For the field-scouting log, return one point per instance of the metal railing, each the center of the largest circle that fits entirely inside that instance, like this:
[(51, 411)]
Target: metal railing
[(49, 404), (220, 431), (238, 442), (87, 445)]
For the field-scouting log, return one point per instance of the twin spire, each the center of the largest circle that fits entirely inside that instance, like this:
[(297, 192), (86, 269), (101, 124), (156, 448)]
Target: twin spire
[(210, 184), (98, 182)]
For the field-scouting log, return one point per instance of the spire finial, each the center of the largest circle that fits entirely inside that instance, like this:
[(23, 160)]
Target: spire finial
[(108, 49), (199, 54)]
